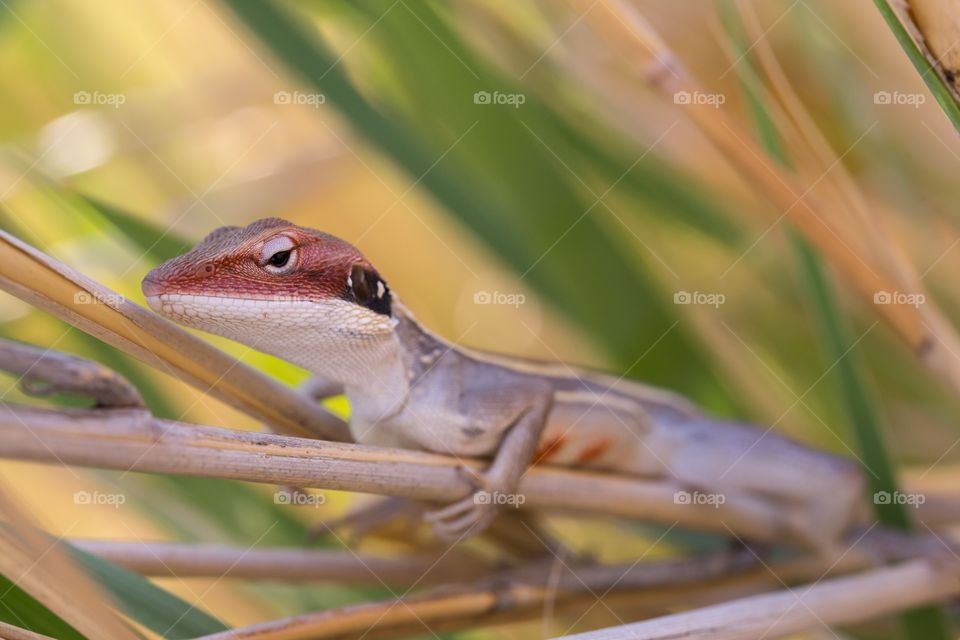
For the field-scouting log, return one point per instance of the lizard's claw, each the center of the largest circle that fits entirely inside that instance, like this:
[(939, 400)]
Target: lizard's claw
[(464, 518), (468, 516)]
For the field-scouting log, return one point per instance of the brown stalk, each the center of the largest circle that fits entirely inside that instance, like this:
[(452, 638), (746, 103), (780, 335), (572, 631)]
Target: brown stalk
[(166, 559), (833, 602), (503, 599), (637, 591), (10, 632), (135, 441), (935, 27)]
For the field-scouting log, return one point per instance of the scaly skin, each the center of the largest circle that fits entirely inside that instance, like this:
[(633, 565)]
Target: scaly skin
[(316, 301)]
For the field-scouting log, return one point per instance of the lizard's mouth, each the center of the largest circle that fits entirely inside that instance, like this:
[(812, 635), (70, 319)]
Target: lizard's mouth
[(230, 316), (189, 305)]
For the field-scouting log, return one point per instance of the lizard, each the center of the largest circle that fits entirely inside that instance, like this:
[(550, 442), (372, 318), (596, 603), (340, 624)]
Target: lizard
[(316, 301)]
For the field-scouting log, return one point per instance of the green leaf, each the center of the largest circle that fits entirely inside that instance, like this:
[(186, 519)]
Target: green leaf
[(148, 604), (19, 609), (531, 204), (160, 244)]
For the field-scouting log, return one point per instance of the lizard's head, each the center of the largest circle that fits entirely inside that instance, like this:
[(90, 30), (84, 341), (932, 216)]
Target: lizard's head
[(273, 285)]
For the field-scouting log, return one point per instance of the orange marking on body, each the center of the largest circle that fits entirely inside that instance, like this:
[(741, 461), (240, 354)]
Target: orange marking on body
[(594, 451), (548, 446)]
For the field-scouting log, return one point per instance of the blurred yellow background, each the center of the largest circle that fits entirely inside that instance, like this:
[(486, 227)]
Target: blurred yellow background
[(172, 112)]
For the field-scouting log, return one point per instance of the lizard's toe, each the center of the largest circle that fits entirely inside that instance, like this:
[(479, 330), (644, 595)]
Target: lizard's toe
[(462, 519), (451, 511)]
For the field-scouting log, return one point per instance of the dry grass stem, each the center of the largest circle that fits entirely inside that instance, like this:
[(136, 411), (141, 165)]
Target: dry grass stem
[(135, 441), (832, 602), (164, 559), (935, 27), (10, 632), (499, 600)]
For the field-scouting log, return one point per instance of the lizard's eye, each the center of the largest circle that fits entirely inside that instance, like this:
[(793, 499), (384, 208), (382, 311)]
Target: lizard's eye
[(279, 259), (279, 255)]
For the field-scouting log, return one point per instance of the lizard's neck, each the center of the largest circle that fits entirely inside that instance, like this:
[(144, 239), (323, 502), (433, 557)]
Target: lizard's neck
[(371, 369), (412, 351), (377, 372)]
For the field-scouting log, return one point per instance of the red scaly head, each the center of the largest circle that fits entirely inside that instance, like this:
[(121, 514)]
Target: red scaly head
[(274, 285)]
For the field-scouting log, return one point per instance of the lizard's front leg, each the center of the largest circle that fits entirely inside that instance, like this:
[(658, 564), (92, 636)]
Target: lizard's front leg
[(472, 514), (320, 389)]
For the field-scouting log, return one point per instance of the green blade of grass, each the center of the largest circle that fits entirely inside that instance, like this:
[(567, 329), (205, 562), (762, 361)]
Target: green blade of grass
[(527, 204), (159, 244), (925, 623), (148, 604), (141, 600), (933, 80), (19, 609)]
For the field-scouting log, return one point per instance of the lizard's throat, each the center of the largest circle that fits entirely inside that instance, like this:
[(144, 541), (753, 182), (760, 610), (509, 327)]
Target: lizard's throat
[(361, 363), (336, 340)]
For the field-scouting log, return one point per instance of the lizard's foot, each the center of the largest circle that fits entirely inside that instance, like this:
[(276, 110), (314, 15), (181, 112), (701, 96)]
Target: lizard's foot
[(470, 515), (462, 519)]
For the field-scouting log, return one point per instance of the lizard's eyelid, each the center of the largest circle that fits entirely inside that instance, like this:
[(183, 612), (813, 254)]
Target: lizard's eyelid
[(278, 246), (279, 255), (274, 246)]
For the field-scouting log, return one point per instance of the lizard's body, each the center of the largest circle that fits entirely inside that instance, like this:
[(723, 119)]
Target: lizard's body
[(410, 388)]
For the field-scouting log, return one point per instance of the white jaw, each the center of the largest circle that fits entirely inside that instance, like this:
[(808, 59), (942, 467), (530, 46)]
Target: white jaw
[(245, 319), (334, 338)]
